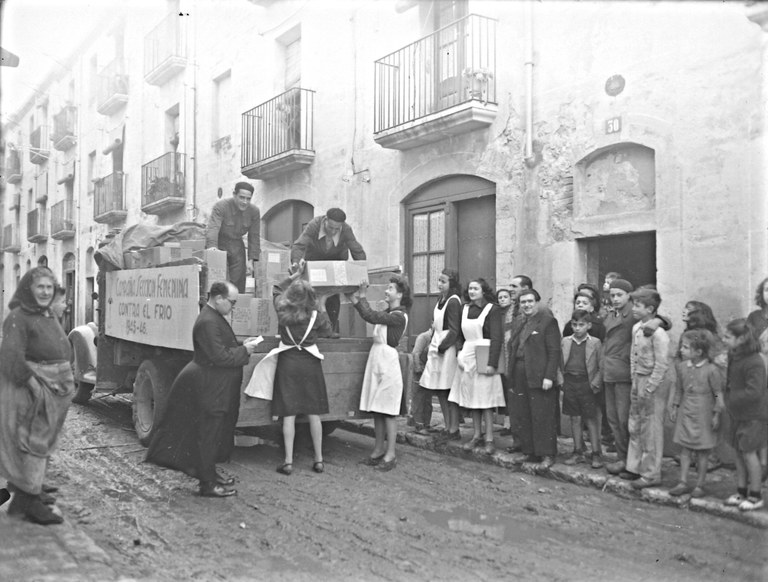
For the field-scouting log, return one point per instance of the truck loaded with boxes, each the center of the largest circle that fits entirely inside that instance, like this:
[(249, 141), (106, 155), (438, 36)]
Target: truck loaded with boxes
[(153, 282)]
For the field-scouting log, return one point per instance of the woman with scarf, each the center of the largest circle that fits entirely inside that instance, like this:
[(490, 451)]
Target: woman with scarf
[(36, 387)]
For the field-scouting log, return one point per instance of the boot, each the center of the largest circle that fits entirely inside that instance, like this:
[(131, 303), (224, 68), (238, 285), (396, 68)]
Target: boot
[(38, 512)]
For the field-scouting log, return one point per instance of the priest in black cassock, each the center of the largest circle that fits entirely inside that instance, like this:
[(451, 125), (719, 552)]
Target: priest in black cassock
[(198, 428)]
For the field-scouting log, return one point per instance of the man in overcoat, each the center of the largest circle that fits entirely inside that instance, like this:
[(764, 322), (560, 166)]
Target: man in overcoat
[(198, 427), (534, 355)]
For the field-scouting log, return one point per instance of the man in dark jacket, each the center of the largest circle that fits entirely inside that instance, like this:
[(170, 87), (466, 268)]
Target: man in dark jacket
[(231, 219), (534, 356), (198, 427), (328, 238)]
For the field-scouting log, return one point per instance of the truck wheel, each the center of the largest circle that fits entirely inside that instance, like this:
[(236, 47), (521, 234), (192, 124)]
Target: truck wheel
[(150, 395)]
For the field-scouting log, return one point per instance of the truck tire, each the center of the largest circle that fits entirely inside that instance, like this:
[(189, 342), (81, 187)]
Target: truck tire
[(150, 395)]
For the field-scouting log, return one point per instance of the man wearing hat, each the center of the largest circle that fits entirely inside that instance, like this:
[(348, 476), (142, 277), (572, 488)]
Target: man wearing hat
[(231, 219), (328, 238)]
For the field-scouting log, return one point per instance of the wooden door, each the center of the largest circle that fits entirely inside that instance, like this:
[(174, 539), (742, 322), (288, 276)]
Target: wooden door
[(476, 236)]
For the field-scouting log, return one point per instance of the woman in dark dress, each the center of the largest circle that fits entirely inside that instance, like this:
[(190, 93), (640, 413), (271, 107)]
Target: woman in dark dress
[(36, 388)]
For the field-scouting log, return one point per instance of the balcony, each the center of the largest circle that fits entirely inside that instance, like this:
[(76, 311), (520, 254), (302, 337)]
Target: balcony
[(109, 199), (11, 239), (14, 201), (112, 88), (441, 85), (41, 188), (278, 135), (62, 221), (39, 151), (13, 167), (162, 184), (64, 124), (66, 172), (164, 51), (36, 232)]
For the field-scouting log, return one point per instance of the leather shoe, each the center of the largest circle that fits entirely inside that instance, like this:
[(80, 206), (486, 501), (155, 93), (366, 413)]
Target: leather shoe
[(49, 488), (615, 468), (371, 461), (46, 498), (225, 481), (386, 465), (643, 483), (546, 462), (628, 476), (38, 512), (216, 490)]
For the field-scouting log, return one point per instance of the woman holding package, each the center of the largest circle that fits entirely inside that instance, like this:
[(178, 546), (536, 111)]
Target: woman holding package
[(382, 393), (438, 374), (36, 388), (477, 384), (294, 370)]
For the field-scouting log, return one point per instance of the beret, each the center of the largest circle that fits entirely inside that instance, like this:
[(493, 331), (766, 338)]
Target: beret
[(244, 186), (336, 214), (622, 284)]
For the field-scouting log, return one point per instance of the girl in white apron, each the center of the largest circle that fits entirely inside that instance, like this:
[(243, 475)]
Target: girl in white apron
[(440, 369), (382, 393), (291, 375), (479, 390)]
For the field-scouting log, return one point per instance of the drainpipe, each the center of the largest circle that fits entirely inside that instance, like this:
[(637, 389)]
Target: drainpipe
[(528, 56), (194, 106)]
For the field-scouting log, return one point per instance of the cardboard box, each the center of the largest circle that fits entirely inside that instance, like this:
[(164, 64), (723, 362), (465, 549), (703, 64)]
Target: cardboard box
[(275, 261), (131, 260), (216, 261), (350, 322), (253, 316), (336, 276), (194, 245)]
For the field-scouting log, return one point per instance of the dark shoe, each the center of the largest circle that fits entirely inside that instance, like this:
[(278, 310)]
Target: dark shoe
[(371, 461), (610, 448), (546, 462), (679, 489), (453, 436), (629, 476), (489, 448), (215, 490), (505, 432), (643, 483), (318, 466), (597, 461), (38, 512), (285, 469), (226, 481), (697, 492), (531, 459), (49, 488), (386, 465), (615, 468), (514, 449), (46, 499), (472, 443), (19, 503), (574, 459)]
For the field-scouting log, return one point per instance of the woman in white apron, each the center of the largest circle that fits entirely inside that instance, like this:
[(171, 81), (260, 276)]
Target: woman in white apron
[(291, 375), (479, 388), (440, 369), (382, 393)]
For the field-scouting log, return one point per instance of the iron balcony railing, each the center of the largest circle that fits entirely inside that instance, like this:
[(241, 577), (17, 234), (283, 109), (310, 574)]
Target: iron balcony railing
[(277, 126), (64, 123), (163, 178), (451, 66), (39, 148), (10, 238), (62, 216), (108, 195), (112, 81), (163, 42), (36, 224)]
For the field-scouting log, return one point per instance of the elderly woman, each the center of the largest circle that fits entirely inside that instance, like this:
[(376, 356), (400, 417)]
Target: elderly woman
[(36, 387), (534, 355)]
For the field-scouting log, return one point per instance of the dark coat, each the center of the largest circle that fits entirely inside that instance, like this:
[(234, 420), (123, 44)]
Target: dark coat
[(311, 244), (198, 427), (540, 339), (746, 396)]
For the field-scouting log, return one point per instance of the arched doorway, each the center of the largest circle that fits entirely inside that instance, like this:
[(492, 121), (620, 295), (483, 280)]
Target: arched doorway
[(450, 222), (68, 270), (284, 222)]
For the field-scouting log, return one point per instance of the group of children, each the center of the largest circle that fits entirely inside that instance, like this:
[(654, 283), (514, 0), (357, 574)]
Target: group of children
[(461, 358)]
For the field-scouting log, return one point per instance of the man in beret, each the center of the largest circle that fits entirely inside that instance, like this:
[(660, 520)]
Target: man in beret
[(231, 219), (328, 238)]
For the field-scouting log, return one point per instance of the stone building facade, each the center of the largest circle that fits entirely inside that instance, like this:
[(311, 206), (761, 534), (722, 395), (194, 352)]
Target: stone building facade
[(557, 140)]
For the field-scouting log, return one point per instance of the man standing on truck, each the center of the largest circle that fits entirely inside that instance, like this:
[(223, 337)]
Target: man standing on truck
[(198, 427), (327, 238), (231, 219)]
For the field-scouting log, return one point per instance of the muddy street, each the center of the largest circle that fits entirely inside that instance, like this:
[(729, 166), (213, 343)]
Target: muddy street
[(432, 518)]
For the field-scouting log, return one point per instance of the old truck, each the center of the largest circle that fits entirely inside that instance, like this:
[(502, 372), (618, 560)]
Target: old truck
[(144, 338)]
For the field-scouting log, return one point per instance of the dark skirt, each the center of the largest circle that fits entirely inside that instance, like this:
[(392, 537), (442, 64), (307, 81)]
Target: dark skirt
[(299, 385)]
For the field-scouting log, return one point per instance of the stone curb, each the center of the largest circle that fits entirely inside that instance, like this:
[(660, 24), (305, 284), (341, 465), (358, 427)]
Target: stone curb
[(596, 478)]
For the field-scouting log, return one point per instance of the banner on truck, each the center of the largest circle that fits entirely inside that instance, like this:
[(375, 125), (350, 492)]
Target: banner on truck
[(157, 307)]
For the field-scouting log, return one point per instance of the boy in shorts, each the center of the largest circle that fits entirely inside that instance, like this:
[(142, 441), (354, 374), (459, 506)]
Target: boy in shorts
[(581, 362)]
